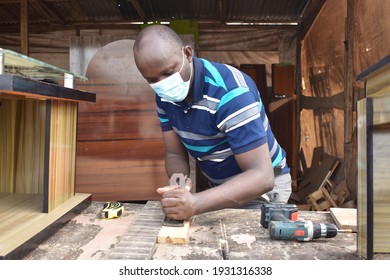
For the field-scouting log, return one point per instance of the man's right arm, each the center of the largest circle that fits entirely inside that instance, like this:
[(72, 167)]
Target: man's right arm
[(176, 155)]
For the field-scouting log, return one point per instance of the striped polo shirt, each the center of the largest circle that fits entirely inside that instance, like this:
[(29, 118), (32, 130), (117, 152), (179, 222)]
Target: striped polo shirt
[(226, 117)]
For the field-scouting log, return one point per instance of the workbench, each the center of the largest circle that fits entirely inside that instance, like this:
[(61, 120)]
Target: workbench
[(234, 234)]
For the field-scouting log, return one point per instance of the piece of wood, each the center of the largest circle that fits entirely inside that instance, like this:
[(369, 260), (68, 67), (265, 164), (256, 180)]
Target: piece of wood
[(345, 218), (24, 36), (321, 200), (318, 152), (317, 179), (139, 242), (174, 235), (340, 192)]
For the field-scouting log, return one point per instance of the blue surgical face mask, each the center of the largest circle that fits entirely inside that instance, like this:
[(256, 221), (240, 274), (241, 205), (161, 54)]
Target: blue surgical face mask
[(173, 88)]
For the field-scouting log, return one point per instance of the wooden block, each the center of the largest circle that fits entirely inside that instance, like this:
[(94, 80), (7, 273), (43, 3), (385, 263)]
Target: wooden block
[(321, 200), (345, 218), (329, 197), (304, 207), (174, 235)]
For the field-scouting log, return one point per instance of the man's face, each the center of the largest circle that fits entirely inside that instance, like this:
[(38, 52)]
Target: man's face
[(156, 62)]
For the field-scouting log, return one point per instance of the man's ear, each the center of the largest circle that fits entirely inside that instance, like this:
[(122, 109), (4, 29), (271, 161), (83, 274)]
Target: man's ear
[(188, 53)]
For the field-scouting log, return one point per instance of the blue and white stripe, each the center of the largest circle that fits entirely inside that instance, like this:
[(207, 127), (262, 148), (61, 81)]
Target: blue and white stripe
[(226, 117)]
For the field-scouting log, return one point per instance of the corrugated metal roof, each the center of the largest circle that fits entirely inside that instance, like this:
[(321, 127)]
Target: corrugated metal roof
[(71, 13)]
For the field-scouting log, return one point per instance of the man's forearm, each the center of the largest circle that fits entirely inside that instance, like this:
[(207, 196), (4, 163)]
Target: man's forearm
[(236, 192), (177, 164)]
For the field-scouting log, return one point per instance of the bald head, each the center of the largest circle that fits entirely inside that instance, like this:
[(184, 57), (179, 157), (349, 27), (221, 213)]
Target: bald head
[(158, 35), (159, 52)]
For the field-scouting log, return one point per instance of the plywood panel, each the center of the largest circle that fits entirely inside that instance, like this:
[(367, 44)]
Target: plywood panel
[(120, 154), (22, 133), (381, 155), (362, 176), (62, 152), (283, 79), (345, 218)]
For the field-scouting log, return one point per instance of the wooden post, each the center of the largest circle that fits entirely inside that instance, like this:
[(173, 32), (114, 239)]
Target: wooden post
[(348, 90), (298, 94), (24, 44)]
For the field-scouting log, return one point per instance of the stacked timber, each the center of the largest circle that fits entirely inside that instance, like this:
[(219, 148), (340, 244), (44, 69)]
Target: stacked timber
[(318, 189)]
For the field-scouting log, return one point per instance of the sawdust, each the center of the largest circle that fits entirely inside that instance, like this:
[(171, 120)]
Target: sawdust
[(244, 238)]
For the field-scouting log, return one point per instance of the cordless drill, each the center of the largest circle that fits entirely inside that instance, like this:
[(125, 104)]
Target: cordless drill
[(283, 224), (300, 230)]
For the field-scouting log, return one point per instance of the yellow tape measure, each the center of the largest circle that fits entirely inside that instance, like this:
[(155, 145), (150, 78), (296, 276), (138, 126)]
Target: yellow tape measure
[(112, 210)]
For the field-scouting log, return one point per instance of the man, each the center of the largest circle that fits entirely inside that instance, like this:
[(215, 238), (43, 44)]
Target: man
[(212, 112)]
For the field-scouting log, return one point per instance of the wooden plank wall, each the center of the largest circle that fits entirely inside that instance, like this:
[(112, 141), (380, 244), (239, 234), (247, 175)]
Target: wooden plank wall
[(120, 154)]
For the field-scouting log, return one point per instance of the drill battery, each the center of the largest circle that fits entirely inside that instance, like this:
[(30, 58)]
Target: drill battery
[(278, 212)]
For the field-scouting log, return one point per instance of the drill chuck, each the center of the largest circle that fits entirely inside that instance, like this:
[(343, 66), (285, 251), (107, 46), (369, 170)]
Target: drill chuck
[(300, 230)]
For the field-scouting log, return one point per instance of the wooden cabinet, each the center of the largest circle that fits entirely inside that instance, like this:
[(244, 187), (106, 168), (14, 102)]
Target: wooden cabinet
[(373, 159), (279, 105), (37, 148)]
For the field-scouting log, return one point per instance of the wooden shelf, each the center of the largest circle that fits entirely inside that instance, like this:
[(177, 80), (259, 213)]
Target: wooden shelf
[(21, 218), (38, 132)]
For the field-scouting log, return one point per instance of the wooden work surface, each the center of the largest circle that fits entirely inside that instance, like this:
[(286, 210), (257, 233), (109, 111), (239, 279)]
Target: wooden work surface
[(226, 234), (236, 234)]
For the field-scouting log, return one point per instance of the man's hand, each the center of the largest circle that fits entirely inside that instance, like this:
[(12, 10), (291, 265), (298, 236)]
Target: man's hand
[(178, 203)]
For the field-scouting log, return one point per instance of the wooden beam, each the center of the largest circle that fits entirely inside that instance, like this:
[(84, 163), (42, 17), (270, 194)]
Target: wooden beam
[(137, 7), (24, 46), (222, 10), (50, 13), (309, 17), (316, 103), (125, 24), (43, 28), (349, 138), (79, 11)]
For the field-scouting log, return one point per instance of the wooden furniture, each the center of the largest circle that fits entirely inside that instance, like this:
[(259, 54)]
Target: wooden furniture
[(373, 125), (38, 119), (283, 113), (279, 106)]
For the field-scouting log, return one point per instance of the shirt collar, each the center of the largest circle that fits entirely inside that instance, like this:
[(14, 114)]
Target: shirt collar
[(198, 83)]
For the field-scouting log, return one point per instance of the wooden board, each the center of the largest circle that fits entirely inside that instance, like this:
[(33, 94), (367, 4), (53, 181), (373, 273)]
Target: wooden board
[(140, 240), (21, 218), (120, 152), (345, 218), (174, 235)]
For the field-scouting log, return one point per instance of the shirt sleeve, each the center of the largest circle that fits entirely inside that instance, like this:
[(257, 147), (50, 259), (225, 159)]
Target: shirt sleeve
[(162, 116), (239, 117)]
